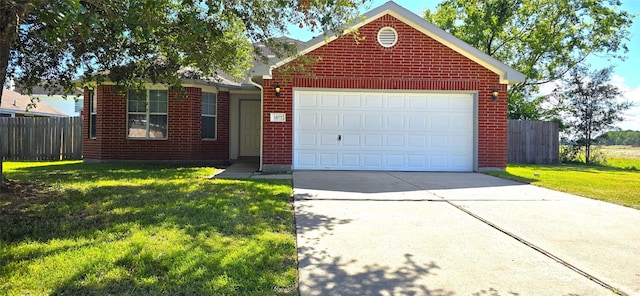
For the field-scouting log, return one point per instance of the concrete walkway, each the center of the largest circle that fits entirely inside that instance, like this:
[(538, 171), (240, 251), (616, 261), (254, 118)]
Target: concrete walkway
[(381, 233), (247, 169)]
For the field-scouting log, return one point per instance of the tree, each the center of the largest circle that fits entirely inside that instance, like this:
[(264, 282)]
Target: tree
[(60, 42), (591, 105), (543, 39), (627, 137)]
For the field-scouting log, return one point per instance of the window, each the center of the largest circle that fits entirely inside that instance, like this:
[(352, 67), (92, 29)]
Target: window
[(93, 113), (147, 114), (209, 109)]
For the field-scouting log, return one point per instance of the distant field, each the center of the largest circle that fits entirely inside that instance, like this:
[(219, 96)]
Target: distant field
[(625, 157), (629, 152)]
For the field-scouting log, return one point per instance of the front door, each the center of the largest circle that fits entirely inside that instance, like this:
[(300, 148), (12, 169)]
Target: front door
[(250, 127)]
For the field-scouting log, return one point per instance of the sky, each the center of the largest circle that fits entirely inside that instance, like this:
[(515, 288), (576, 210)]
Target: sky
[(624, 76)]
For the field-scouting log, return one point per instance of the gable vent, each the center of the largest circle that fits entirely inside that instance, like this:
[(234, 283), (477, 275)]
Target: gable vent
[(387, 37)]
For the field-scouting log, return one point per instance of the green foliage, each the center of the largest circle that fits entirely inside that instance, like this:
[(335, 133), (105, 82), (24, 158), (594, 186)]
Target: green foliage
[(543, 39), (590, 106), (131, 229), (619, 138), (59, 40), (574, 153)]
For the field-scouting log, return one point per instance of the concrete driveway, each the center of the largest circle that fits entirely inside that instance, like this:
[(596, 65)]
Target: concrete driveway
[(400, 233)]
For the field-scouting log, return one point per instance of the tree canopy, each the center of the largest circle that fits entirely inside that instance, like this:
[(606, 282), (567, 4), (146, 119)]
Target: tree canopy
[(589, 105), (620, 138), (543, 39), (61, 40), (58, 42)]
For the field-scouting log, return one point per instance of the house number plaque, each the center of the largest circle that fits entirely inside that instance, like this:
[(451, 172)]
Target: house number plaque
[(278, 117)]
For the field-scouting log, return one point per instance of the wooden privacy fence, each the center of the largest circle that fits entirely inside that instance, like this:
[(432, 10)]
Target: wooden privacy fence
[(41, 138), (536, 142)]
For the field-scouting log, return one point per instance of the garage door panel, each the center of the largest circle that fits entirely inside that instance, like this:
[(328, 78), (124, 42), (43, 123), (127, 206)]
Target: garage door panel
[(306, 100), (351, 160), (329, 139), (306, 159), (307, 120), (351, 121), (395, 141), (418, 141), (351, 101), (373, 140), (395, 121), (396, 102), (373, 121), (328, 159), (373, 160), (440, 104), (417, 161), (416, 102), (394, 161), (373, 101), (351, 140), (306, 140), (418, 121), (329, 100), (383, 131)]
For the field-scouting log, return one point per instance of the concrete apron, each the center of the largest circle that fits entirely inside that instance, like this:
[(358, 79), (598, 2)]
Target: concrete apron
[(364, 233)]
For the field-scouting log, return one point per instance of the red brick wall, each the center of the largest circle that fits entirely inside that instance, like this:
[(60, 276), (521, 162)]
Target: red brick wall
[(416, 62), (183, 143)]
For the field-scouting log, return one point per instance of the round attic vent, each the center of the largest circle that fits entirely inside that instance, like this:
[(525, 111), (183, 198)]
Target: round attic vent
[(387, 37)]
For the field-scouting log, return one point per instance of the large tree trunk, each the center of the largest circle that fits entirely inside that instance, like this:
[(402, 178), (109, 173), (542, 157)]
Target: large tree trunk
[(8, 34)]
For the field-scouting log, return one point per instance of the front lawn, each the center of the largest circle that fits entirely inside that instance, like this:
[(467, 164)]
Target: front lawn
[(137, 229), (610, 184)]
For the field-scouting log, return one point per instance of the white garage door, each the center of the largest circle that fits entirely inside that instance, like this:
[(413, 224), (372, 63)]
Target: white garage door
[(351, 130)]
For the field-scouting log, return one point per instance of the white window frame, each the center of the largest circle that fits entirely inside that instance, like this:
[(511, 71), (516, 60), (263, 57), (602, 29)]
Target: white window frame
[(215, 116), (147, 114), (93, 114)]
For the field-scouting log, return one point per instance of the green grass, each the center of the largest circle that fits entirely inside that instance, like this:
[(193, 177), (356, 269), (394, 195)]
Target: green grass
[(623, 163), (610, 184), (132, 229)]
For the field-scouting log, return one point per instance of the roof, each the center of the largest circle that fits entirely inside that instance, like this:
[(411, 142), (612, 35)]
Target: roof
[(13, 102), (42, 91), (507, 74)]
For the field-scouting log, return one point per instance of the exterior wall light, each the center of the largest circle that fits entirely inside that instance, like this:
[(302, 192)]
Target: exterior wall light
[(277, 88), (494, 94)]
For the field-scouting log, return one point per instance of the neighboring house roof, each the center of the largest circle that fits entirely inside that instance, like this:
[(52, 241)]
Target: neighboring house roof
[(507, 74), (41, 91), (13, 102)]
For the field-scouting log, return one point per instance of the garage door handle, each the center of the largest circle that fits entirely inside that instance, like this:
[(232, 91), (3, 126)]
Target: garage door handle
[(339, 137)]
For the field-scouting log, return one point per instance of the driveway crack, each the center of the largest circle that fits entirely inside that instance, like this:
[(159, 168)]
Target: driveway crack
[(537, 248)]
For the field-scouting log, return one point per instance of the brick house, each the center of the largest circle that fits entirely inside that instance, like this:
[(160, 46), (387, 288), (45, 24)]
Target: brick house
[(408, 97)]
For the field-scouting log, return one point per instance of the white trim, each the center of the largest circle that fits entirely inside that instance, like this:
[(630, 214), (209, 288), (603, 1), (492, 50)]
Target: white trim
[(215, 116), (261, 121), (93, 97), (147, 114)]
